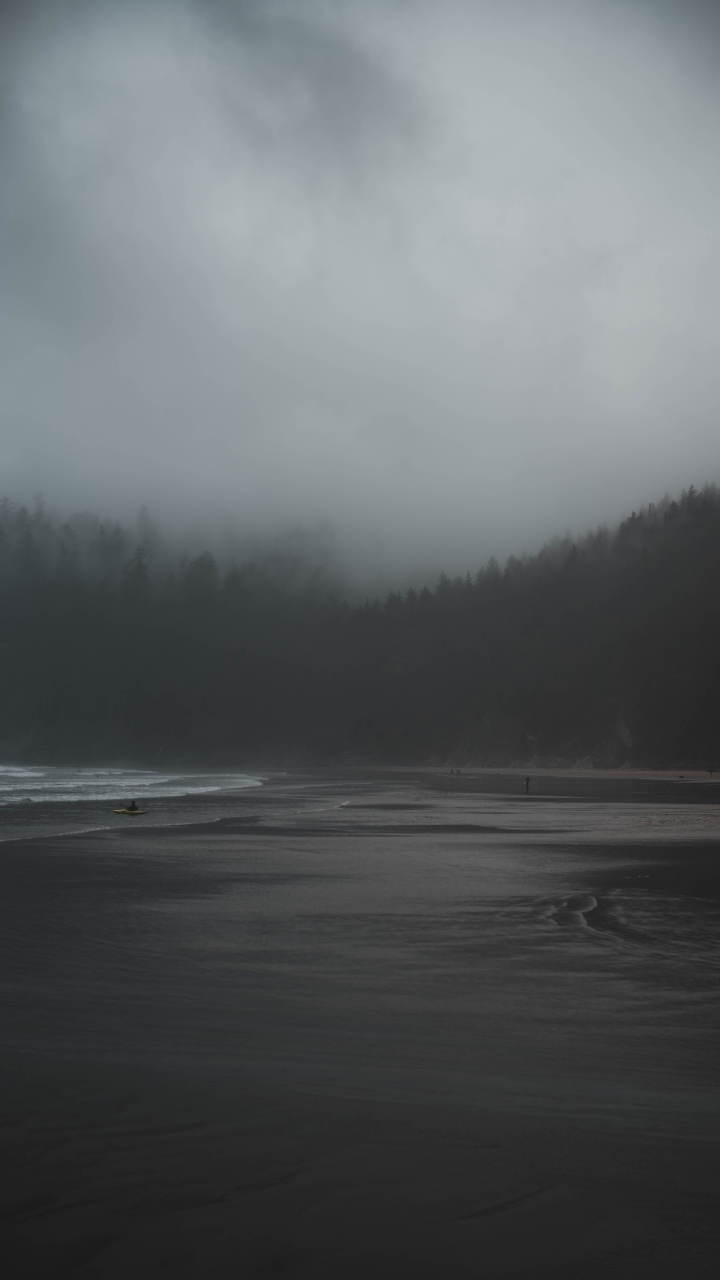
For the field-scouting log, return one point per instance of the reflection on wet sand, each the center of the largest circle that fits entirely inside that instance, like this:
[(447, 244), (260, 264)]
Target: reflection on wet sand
[(366, 1026)]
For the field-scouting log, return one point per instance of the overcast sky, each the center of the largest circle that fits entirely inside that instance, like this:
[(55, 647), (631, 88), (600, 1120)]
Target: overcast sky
[(445, 274)]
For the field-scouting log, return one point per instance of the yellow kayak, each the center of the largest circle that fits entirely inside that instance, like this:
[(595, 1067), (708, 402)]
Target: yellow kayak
[(130, 812)]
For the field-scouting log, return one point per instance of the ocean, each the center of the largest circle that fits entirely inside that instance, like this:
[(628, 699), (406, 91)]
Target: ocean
[(47, 800)]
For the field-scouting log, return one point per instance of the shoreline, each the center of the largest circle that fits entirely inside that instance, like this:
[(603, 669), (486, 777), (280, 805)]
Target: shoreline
[(373, 1034), (611, 786)]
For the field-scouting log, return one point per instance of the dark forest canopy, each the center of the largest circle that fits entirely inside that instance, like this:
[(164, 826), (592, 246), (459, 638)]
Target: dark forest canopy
[(601, 649)]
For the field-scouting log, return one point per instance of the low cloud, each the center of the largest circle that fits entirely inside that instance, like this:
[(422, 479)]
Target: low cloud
[(445, 276)]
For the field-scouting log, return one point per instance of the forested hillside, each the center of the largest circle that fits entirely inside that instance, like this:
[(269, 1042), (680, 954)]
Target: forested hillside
[(603, 649)]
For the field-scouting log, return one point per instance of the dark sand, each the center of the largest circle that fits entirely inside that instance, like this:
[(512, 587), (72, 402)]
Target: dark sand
[(383, 1024)]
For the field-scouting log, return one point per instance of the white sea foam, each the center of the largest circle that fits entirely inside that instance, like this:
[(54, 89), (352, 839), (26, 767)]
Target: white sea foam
[(70, 797), (40, 799)]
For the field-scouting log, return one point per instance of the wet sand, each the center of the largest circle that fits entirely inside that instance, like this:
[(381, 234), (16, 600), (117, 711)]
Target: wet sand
[(378, 1023)]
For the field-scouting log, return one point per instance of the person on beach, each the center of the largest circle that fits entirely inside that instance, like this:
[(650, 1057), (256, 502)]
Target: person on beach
[(527, 786)]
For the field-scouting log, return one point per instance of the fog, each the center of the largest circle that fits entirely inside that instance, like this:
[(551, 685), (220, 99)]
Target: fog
[(442, 276)]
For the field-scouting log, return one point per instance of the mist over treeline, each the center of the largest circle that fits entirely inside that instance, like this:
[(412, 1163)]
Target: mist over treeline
[(87, 548), (443, 275), (118, 644)]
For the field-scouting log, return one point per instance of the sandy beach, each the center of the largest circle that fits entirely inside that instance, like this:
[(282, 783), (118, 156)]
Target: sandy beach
[(377, 1023)]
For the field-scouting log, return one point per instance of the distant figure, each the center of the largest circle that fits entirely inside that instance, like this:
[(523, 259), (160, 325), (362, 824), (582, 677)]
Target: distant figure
[(527, 786), (132, 807)]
